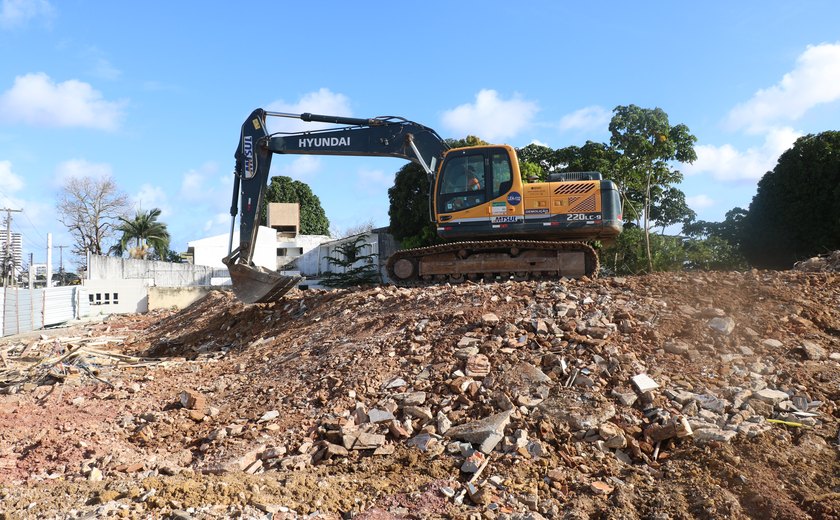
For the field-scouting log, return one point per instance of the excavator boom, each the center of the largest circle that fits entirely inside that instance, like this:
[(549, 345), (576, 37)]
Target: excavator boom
[(381, 137)]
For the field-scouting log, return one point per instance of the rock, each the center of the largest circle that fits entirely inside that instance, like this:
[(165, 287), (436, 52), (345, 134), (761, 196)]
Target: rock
[(625, 396), (485, 432), (772, 343), (601, 488), (724, 326), (578, 412), (714, 435), (443, 423), (268, 416), (423, 441), (473, 462), (813, 351), (712, 403), (477, 366), (379, 416), (489, 319), (418, 412), (772, 397), (676, 347), (644, 383), (395, 383), (192, 400), (95, 475), (359, 440)]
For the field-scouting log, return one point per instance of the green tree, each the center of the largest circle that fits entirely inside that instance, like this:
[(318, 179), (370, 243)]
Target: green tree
[(146, 233), (409, 208), (648, 144), (313, 219), (357, 267), (730, 230), (529, 171), (795, 212)]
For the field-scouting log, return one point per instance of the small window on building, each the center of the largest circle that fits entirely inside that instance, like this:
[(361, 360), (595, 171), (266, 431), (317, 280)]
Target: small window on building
[(90, 298), (107, 299), (116, 299)]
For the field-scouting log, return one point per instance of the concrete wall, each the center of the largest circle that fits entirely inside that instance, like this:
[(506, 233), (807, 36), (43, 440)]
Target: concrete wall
[(116, 296), (377, 242), (175, 297), (152, 272)]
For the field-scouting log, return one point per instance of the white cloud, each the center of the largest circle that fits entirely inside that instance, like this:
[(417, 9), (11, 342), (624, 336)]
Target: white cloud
[(37, 100), (217, 223), (17, 12), (323, 101), (76, 168), (302, 168), (727, 163), (150, 197), (490, 117), (9, 182), (586, 119), (201, 184), (700, 201), (815, 80)]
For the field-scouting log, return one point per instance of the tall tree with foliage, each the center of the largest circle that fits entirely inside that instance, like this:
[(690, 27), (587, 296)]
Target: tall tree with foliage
[(409, 208), (313, 219), (146, 232), (90, 208), (795, 213), (649, 145)]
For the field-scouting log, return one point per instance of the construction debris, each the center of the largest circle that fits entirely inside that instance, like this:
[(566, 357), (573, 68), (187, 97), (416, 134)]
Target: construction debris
[(507, 400)]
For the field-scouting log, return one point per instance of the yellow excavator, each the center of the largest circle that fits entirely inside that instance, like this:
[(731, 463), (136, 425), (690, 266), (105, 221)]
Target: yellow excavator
[(496, 225)]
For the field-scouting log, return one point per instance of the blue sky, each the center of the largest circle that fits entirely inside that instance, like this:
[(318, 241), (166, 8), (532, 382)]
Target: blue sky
[(153, 93)]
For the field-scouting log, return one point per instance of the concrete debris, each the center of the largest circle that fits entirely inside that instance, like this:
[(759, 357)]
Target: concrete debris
[(555, 399), (485, 432), (724, 326), (644, 383)]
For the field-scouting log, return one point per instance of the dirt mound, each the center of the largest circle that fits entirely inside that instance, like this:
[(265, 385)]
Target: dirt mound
[(702, 395)]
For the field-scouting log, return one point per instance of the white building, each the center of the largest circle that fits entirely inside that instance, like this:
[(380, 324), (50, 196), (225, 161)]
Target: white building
[(14, 249)]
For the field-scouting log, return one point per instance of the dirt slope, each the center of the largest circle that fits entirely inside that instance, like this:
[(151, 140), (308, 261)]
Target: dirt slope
[(383, 403)]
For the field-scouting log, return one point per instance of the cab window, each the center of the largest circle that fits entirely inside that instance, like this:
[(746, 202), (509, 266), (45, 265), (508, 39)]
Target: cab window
[(502, 175), (463, 184)]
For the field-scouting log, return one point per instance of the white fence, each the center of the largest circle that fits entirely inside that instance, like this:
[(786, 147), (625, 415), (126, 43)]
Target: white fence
[(25, 310)]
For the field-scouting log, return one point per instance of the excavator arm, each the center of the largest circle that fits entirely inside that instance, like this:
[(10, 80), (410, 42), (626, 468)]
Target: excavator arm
[(380, 137)]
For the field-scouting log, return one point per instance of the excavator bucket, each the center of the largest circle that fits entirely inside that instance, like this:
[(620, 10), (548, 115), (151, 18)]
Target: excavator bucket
[(254, 284)]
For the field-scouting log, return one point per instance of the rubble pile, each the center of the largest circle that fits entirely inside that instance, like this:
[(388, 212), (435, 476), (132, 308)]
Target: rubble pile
[(828, 262), (670, 395)]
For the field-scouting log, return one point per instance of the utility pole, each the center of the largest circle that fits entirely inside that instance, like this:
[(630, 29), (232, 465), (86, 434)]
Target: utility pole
[(62, 281), (8, 257)]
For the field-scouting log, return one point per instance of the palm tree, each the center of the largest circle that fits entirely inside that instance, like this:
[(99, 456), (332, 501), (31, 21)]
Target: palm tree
[(146, 232)]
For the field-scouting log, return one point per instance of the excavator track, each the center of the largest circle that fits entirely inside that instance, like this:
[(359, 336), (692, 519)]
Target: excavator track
[(492, 260)]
